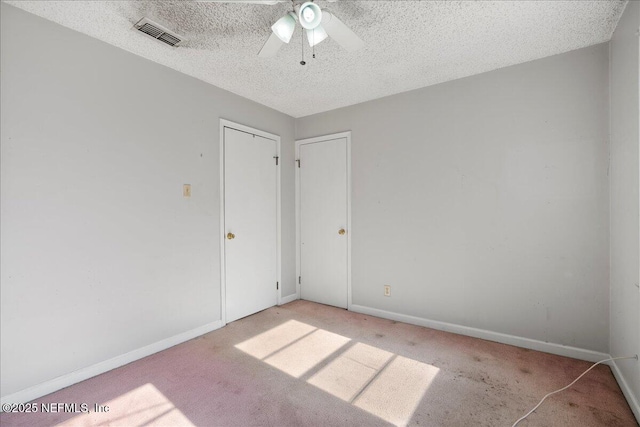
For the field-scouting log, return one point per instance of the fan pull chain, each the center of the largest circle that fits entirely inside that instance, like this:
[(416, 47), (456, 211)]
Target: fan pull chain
[(302, 44)]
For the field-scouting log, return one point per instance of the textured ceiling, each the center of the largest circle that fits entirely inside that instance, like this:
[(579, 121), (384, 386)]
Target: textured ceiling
[(409, 44)]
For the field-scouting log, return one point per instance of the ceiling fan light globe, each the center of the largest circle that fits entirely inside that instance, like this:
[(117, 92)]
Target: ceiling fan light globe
[(284, 27), (316, 35), (309, 15)]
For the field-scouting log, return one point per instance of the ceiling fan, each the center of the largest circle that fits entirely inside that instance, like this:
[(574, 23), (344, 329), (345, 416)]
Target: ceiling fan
[(318, 24)]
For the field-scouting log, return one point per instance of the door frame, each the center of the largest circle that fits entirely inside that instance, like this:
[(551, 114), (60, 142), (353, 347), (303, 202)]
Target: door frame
[(314, 140), (223, 281)]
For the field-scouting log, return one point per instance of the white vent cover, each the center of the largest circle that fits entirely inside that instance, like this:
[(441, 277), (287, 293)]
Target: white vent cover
[(158, 32)]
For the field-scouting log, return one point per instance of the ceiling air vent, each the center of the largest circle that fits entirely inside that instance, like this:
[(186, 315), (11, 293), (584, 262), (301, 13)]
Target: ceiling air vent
[(158, 32)]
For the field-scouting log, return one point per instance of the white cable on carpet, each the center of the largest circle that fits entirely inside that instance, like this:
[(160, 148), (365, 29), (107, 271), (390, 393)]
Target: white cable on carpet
[(574, 381)]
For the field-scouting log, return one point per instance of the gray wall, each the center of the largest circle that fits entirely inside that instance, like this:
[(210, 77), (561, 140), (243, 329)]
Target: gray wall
[(483, 201), (625, 179), (101, 254)]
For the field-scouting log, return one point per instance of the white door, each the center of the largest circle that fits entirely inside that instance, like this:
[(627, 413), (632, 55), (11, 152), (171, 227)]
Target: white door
[(323, 239), (250, 223)]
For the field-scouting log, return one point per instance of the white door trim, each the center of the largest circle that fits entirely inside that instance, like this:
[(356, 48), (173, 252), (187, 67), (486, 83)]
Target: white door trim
[(323, 138), (229, 124)]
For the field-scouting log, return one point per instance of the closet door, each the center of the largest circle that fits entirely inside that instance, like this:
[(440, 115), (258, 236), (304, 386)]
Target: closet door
[(323, 239), (250, 223)]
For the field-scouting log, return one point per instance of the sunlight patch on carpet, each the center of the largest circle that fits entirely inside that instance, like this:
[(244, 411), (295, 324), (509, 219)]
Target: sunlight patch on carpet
[(377, 381), (275, 339), (305, 354), (293, 347), (346, 376), (397, 391), (142, 406)]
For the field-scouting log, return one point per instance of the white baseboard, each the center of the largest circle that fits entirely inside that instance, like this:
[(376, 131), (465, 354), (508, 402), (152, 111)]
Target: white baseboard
[(628, 393), (561, 350), (286, 300), (74, 377)]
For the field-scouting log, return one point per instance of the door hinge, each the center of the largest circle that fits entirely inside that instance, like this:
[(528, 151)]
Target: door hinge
[(298, 163), (277, 285), (276, 157), (299, 280)]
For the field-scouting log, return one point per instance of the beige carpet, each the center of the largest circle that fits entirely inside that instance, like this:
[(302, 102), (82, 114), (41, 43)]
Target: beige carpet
[(306, 364)]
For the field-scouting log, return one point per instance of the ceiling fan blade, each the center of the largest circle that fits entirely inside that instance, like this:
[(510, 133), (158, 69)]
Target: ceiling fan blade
[(271, 46), (340, 32)]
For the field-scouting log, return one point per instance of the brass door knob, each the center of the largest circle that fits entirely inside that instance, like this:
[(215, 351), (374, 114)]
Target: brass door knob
[(231, 236), (341, 231)]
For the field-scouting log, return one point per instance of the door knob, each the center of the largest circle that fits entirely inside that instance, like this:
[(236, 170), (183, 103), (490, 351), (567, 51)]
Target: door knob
[(231, 236), (341, 231)]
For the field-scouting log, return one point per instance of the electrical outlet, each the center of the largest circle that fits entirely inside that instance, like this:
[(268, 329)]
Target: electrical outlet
[(186, 190), (387, 290)]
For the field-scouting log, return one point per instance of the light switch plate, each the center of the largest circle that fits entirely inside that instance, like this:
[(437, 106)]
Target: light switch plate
[(186, 190)]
